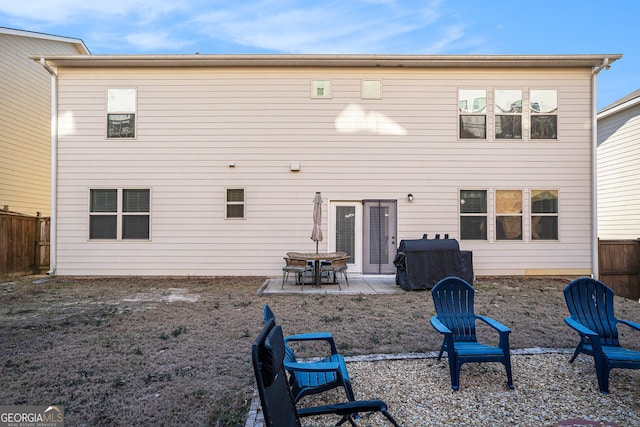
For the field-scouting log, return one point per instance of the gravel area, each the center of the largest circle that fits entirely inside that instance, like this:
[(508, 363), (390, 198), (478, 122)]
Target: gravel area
[(548, 391)]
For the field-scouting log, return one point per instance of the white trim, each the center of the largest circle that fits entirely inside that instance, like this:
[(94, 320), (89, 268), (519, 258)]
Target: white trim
[(21, 33), (355, 264), (628, 104)]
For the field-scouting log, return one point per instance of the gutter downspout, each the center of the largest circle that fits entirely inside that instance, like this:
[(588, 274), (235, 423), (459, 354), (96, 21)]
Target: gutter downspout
[(595, 268), (53, 232)]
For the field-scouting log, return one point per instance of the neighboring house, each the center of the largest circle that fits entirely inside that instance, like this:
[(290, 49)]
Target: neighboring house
[(208, 164), (25, 119), (619, 169)]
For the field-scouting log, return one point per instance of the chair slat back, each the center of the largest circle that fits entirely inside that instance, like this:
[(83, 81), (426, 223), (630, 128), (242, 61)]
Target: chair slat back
[(275, 396), (590, 302), (295, 262), (453, 300), (289, 356)]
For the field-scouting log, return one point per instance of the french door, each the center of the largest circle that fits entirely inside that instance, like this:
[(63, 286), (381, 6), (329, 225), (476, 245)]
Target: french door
[(379, 236), (366, 231)]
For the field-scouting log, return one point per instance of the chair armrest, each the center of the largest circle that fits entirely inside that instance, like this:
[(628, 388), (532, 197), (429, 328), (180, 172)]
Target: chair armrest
[(631, 324), (494, 324), (580, 328), (439, 326), (312, 367), (314, 336), (344, 408)]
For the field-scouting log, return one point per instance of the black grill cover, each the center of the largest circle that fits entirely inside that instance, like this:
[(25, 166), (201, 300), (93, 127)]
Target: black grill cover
[(422, 263)]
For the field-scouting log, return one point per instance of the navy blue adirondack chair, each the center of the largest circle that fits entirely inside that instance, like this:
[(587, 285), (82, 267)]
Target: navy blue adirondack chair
[(278, 404), (456, 320), (312, 378), (590, 303)]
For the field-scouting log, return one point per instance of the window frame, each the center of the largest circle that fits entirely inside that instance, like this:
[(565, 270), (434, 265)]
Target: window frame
[(467, 111), (498, 214), (541, 215), (510, 114), (328, 87), (533, 114), (229, 203), (120, 213), (116, 106), (484, 214)]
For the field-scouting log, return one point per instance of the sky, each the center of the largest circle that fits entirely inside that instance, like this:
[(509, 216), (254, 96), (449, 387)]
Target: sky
[(439, 27)]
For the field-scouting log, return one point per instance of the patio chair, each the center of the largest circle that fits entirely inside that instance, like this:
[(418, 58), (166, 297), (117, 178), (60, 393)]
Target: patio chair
[(278, 404), (456, 320), (297, 267), (306, 378), (590, 303), (335, 266)]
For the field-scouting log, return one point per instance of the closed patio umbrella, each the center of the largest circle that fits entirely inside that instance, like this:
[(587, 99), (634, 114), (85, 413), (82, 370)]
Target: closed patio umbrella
[(316, 233)]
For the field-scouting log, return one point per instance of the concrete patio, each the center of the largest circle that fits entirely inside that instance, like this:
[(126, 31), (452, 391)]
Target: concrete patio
[(358, 284)]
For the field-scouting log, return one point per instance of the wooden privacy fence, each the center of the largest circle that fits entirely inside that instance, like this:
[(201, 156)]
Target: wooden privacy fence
[(619, 264), (24, 244)]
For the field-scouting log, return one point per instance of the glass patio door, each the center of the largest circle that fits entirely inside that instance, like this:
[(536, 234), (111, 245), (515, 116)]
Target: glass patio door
[(345, 224), (379, 236)]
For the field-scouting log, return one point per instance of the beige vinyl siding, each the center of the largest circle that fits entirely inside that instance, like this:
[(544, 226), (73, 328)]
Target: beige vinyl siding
[(25, 117), (618, 175), (191, 123)]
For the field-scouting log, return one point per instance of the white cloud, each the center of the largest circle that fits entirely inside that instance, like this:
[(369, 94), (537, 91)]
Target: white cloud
[(64, 11), (154, 41), (328, 27), (288, 26)]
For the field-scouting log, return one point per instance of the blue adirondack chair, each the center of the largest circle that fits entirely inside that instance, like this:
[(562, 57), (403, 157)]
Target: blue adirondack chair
[(278, 406), (312, 378), (456, 320), (590, 303)]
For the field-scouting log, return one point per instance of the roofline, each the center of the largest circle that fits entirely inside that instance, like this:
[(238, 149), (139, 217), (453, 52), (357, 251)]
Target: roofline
[(621, 104), (82, 48), (329, 60)]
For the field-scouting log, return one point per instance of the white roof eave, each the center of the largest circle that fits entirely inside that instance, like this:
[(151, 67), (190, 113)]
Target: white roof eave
[(387, 61)]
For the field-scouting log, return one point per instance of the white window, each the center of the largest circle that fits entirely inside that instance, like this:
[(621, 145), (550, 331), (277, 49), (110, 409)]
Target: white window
[(544, 114), (235, 203), (473, 214), (121, 113), (321, 88), (371, 89), (544, 214), (508, 114), (119, 214), (508, 214), (472, 108)]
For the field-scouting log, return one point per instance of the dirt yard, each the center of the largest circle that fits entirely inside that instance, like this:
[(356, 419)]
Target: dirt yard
[(176, 351)]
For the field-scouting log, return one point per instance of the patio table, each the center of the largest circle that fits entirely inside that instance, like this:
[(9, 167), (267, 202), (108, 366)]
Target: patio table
[(316, 258)]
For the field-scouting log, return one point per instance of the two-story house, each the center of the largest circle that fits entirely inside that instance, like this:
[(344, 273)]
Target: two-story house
[(208, 164), (618, 166), (25, 118)]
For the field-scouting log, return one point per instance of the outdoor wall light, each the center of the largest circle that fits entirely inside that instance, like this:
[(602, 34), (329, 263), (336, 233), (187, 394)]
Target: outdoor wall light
[(410, 197)]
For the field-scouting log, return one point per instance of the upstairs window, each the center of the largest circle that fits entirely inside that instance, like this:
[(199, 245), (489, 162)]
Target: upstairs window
[(473, 214), (321, 88), (472, 109), (235, 203), (371, 89), (544, 214), (121, 113), (508, 114), (544, 114), (508, 215), (119, 214)]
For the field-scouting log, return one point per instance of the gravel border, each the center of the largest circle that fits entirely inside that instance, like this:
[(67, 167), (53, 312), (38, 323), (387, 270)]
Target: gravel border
[(548, 390)]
